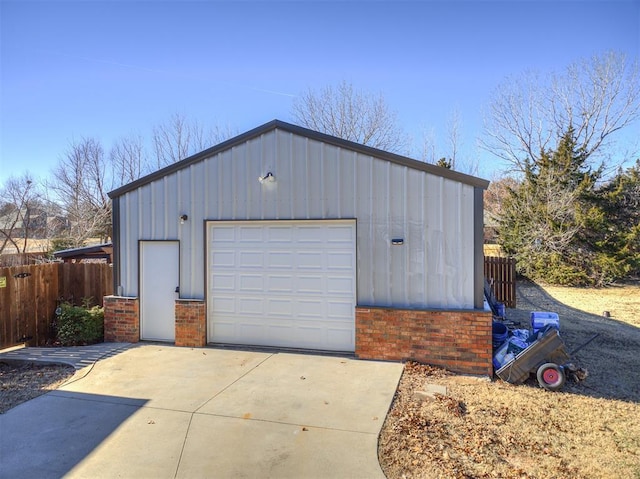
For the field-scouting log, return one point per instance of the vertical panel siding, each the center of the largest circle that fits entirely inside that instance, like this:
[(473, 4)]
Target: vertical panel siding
[(433, 215)]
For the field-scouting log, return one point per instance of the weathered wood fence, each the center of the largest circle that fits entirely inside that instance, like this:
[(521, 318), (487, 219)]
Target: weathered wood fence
[(501, 275), (29, 296)]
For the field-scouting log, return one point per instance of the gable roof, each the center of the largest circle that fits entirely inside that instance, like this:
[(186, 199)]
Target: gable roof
[(314, 135)]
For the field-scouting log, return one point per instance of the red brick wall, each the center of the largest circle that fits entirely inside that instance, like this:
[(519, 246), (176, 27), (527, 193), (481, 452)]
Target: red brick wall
[(191, 323), (456, 340), (121, 319)]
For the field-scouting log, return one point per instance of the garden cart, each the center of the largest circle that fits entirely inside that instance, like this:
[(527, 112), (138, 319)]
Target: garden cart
[(547, 357)]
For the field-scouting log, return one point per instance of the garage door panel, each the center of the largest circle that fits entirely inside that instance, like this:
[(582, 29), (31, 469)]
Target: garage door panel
[(339, 285), (336, 309), (280, 284), (311, 308), (249, 283), (223, 304), (250, 259), (284, 283), (249, 234), (223, 329), (224, 234), (309, 261), (310, 234), (225, 258), (280, 260), (223, 282), (280, 307), (253, 306), (338, 335), (343, 261), (279, 234), (310, 284)]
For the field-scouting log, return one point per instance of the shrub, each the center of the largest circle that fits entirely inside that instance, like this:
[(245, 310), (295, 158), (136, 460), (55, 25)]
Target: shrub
[(80, 325)]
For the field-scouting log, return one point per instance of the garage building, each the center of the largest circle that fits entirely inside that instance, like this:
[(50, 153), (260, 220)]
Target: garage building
[(288, 238)]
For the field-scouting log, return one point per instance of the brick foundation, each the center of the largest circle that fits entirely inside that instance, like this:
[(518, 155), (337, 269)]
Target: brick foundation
[(191, 323), (121, 319), (456, 340)]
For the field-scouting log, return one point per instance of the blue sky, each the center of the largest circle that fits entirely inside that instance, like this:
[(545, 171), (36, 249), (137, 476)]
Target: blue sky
[(107, 69)]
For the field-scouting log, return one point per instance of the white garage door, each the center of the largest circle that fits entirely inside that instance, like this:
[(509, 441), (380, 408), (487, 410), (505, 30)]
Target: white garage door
[(282, 283)]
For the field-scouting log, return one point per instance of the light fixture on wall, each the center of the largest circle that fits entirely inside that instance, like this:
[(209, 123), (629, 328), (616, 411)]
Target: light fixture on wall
[(268, 178), (183, 218)]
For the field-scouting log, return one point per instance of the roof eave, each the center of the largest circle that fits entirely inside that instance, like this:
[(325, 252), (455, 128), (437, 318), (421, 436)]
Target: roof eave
[(295, 129)]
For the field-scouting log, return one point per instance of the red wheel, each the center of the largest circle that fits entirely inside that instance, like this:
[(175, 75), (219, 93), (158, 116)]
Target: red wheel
[(551, 376)]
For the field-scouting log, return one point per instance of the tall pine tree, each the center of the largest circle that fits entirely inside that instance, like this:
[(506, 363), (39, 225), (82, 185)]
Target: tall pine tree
[(546, 219)]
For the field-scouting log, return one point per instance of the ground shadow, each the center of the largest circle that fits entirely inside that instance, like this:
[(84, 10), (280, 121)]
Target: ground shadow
[(49, 435), (612, 359)]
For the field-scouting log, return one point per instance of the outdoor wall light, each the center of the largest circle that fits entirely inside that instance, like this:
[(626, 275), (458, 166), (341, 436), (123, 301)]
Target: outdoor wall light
[(268, 177), (183, 218), (397, 241)]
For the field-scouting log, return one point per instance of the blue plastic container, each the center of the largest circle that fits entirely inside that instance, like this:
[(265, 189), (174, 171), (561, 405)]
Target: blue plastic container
[(500, 334), (540, 319)]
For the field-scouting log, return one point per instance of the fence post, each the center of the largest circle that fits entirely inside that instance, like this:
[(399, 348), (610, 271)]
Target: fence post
[(501, 274)]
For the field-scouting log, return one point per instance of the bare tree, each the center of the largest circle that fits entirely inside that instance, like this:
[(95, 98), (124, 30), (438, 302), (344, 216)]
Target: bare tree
[(128, 160), (180, 137), (497, 194), (19, 196), (597, 97), (427, 148), (352, 115), (454, 125), (82, 181)]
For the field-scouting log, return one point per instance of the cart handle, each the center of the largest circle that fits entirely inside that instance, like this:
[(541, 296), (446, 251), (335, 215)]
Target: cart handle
[(584, 344)]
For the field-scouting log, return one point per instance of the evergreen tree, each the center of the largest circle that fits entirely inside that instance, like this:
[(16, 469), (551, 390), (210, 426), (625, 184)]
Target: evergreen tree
[(619, 201), (546, 218)]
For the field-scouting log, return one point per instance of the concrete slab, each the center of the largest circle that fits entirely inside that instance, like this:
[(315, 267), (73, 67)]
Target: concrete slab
[(49, 435), (250, 449), (161, 411), (181, 379), (326, 392), (147, 444)]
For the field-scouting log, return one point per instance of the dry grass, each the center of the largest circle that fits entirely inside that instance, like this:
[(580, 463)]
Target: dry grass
[(495, 429), (622, 301)]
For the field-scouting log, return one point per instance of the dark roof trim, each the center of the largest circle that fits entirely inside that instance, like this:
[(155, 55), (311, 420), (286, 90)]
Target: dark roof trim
[(65, 253), (314, 135)]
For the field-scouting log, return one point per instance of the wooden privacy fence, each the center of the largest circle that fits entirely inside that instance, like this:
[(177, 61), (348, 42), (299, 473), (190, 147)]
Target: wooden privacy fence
[(501, 275), (29, 296)]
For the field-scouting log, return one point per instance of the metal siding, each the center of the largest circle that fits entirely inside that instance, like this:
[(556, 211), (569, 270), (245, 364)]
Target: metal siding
[(434, 242), (434, 215), (415, 238), (129, 214)]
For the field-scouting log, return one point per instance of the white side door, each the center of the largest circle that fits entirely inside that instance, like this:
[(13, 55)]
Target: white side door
[(159, 278)]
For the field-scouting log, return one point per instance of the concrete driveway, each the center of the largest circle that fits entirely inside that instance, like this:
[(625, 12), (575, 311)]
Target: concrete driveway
[(161, 411)]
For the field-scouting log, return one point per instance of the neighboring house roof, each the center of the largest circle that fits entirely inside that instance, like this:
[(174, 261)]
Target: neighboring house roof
[(104, 250), (298, 130), (37, 219)]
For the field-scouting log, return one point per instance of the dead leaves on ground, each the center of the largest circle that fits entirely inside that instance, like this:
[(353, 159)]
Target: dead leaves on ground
[(493, 429)]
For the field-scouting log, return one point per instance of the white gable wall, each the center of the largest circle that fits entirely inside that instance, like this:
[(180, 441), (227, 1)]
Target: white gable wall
[(434, 268)]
